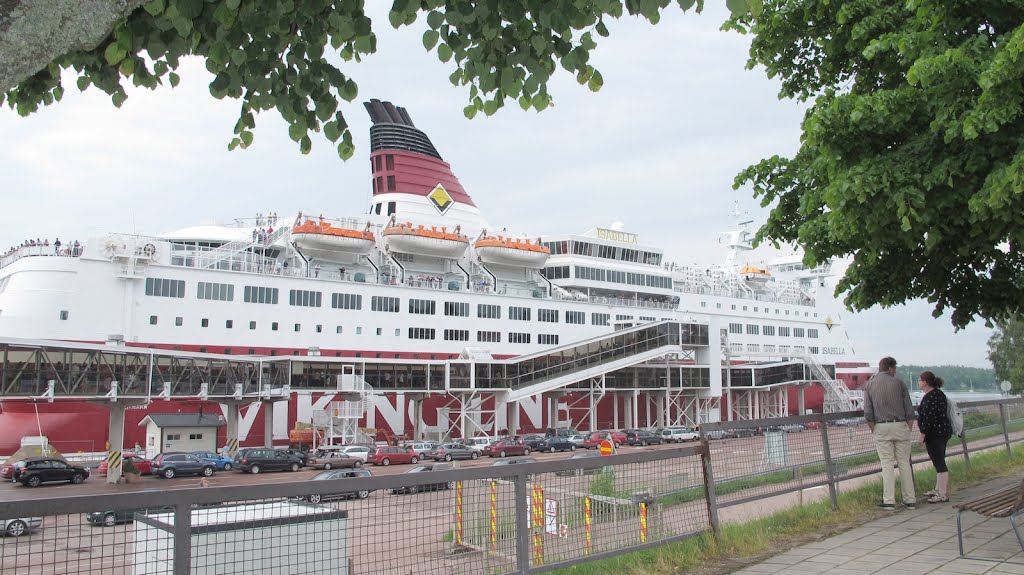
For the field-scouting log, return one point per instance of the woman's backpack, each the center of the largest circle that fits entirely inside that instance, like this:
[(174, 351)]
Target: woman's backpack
[(956, 417)]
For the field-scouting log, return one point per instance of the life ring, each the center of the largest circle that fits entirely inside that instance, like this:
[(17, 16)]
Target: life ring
[(149, 250)]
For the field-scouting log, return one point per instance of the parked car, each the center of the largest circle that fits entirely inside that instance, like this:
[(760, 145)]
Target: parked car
[(331, 458), (743, 432), (339, 474), (223, 462), (565, 432), (170, 464), (555, 443), (478, 444), (142, 465), (678, 434), (358, 451), (533, 441), (300, 454), (513, 461), (386, 455), (713, 434), (593, 441), (643, 438), (450, 451), (426, 468), (792, 428), (35, 471), (7, 471), (581, 455), (578, 439), (507, 447), (265, 459), (422, 448), (113, 517), (19, 526)]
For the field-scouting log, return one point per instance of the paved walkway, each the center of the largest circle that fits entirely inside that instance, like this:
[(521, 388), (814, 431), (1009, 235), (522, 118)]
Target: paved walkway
[(910, 542)]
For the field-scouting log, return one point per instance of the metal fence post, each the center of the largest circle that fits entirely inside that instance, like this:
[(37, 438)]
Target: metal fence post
[(709, 486), (1006, 431), (183, 539), (830, 471), (522, 526)]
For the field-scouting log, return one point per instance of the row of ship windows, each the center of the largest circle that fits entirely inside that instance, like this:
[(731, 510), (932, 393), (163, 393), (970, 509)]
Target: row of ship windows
[(414, 332), (757, 309), (609, 276), (770, 330), (603, 251), (772, 348), (159, 287)]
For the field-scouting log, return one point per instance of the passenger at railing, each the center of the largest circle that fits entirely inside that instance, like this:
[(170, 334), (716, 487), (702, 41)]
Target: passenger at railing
[(56, 246), (316, 271), (255, 234)]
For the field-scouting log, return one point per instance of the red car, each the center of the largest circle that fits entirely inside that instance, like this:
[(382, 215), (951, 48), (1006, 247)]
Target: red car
[(142, 465), (7, 471), (391, 454), (507, 447), (593, 441)]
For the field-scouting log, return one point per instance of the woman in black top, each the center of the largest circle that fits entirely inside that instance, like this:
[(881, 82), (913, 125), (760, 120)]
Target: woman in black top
[(933, 423)]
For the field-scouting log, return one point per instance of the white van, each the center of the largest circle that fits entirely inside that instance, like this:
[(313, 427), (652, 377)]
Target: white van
[(678, 434), (478, 443)]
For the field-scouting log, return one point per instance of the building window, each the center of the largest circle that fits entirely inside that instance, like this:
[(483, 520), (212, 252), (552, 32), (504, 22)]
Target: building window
[(179, 321), (488, 336), (273, 326), (455, 308), (304, 298), (380, 331), (422, 306), (398, 332), (298, 327), (547, 339), (735, 328), (215, 291), (195, 436), (514, 337), (576, 317), (456, 335), (173, 437), (338, 329), (391, 183), (769, 348), (812, 333), (421, 333), (229, 323), (319, 328), (346, 301), (387, 304), (205, 322), (488, 311), (389, 161), (599, 318), (165, 288), (783, 331), (63, 315), (518, 313), (768, 330), (736, 347), (359, 330), (798, 332), (252, 325), (256, 294), (547, 315)]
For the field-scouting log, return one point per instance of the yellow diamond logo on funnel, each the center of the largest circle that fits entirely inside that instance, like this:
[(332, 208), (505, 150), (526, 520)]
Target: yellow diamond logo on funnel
[(440, 198), (829, 323)]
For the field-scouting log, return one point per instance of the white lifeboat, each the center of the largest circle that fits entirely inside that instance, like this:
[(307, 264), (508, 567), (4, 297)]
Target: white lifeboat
[(511, 252), (324, 240), (409, 239), (754, 275)]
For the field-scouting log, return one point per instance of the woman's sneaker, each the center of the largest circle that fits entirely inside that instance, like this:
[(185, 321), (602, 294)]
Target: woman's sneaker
[(930, 493), (938, 498)]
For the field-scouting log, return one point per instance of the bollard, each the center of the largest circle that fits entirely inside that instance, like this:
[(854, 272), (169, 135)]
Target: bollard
[(494, 515), (586, 522), (458, 513)]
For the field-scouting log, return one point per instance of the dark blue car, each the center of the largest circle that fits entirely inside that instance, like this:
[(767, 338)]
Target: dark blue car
[(223, 462)]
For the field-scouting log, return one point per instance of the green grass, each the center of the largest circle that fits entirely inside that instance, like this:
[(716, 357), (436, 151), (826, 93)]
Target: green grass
[(742, 543)]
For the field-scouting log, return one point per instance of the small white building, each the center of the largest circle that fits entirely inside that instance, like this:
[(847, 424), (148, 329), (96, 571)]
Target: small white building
[(167, 432)]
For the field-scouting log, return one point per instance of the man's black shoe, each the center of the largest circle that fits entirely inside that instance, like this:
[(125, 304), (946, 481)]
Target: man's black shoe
[(886, 506), (910, 504)]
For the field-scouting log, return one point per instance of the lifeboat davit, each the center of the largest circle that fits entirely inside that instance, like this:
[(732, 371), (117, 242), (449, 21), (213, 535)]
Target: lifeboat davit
[(326, 240), (511, 252), (409, 239), (754, 275)]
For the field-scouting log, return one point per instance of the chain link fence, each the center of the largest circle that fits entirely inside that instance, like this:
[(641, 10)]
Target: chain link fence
[(514, 518)]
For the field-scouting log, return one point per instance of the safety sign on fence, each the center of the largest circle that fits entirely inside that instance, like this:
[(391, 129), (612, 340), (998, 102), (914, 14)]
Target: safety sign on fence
[(551, 516)]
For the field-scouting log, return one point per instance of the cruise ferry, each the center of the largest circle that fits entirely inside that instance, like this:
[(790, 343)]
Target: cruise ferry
[(422, 276)]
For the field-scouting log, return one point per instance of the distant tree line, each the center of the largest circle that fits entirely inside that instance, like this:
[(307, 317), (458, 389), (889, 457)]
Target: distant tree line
[(956, 377)]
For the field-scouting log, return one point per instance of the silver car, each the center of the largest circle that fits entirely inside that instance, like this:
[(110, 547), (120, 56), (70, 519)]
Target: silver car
[(20, 526)]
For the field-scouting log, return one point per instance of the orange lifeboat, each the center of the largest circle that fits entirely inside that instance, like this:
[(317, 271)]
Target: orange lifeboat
[(325, 240), (409, 239), (754, 275), (511, 251)]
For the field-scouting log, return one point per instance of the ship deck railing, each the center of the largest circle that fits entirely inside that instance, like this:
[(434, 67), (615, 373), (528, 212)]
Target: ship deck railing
[(67, 251), (740, 294)]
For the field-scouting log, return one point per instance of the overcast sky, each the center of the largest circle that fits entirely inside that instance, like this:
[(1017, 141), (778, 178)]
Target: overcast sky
[(656, 149)]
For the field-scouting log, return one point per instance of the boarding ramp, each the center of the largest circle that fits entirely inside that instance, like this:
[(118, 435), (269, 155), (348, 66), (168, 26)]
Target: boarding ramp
[(559, 367)]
